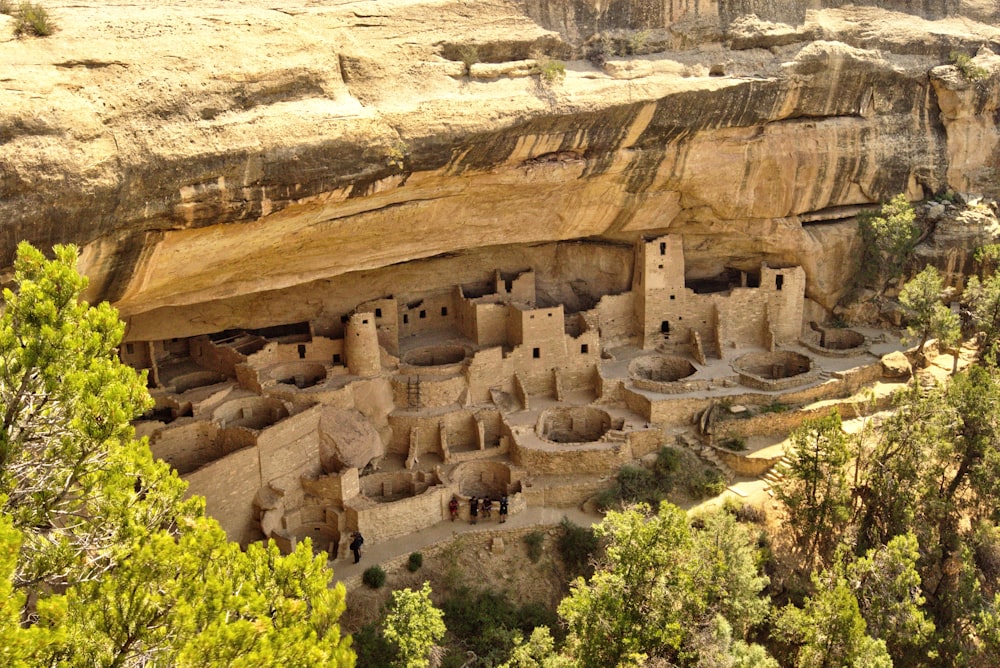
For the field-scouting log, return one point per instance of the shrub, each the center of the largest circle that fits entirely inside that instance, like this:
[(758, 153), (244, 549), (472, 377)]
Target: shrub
[(372, 649), (774, 407), (668, 461), (374, 576), (705, 483), (550, 70), (415, 561), (486, 622), (970, 71), (33, 19), (534, 542), (736, 444), (6, 7), (469, 55), (576, 546), (750, 514)]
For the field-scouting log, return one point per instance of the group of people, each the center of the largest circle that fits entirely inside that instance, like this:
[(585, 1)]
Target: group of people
[(476, 505)]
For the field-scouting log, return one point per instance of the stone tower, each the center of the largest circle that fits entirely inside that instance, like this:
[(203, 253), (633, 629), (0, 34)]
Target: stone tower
[(361, 346)]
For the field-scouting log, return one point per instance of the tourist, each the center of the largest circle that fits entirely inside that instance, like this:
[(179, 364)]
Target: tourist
[(473, 510), (503, 509), (357, 541), (453, 507), (487, 507)]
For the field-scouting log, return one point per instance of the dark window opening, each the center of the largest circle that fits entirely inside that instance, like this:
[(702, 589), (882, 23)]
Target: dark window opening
[(378, 313), (444, 310), (584, 349), (672, 297), (663, 248), (779, 281), (406, 319), (664, 327), (344, 319), (550, 315), (423, 314), (336, 358), (129, 348), (536, 353), (302, 351)]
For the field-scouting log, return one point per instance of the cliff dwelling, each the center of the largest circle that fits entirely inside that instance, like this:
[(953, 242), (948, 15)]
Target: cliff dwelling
[(373, 419)]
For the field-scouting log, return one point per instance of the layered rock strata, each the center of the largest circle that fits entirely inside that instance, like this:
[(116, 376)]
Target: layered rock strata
[(249, 165)]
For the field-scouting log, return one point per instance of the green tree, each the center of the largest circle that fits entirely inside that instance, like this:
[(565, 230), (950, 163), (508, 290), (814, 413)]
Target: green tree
[(106, 562), (888, 240), (536, 652), (659, 584), (414, 626), (829, 631), (926, 315), (886, 584), (815, 490), (983, 299)]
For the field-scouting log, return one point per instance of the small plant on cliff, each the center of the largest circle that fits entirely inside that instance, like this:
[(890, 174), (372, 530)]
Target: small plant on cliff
[(32, 19), (415, 561), (550, 70), (970, 71), (469, 55)]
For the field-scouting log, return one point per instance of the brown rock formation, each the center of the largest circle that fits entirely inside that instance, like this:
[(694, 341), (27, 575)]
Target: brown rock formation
[(247, 165)]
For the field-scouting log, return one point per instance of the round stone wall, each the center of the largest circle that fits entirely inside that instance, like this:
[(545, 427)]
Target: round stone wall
[(299, 374), (434, 356), (842, 339), (195, 379), (661, 368), (774, 371), (482, 478), (578, 424), (250, 413)]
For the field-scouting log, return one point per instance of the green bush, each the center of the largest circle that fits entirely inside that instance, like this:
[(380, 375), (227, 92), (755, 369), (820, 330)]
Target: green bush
[(774, 407), (534, 542), (576, 545), (374, 576), (550, 70), (373, 650), (736, 444), (415, 561), (970, 71), (33, 19), (486, 622), (705, 483)]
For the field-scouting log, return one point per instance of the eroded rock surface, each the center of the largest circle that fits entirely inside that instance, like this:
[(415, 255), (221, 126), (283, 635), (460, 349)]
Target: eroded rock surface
[(249, 164)]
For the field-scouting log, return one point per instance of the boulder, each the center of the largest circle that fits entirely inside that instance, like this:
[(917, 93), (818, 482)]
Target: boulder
[(896, 366), (346, 439)]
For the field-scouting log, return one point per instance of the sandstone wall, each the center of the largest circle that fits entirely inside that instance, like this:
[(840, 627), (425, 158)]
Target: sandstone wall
[(229, 486), (303, 189)]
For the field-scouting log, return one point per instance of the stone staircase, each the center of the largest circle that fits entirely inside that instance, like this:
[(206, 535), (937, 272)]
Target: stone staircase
[(775, 474)]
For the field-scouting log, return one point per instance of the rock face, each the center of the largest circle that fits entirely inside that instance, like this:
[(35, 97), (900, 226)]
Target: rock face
[(346, 439), (248, 165)]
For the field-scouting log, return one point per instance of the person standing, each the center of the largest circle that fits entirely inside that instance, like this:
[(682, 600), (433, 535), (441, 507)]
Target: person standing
[(503, 509), (357, 540), (473, 510), (453, 507), (488, 508)]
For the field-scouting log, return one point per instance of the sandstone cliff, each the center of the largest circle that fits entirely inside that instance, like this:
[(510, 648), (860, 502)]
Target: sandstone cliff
[(246, 164)]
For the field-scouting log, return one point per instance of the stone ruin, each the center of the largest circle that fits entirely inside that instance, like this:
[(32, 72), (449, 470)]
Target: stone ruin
[(372, 420)]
